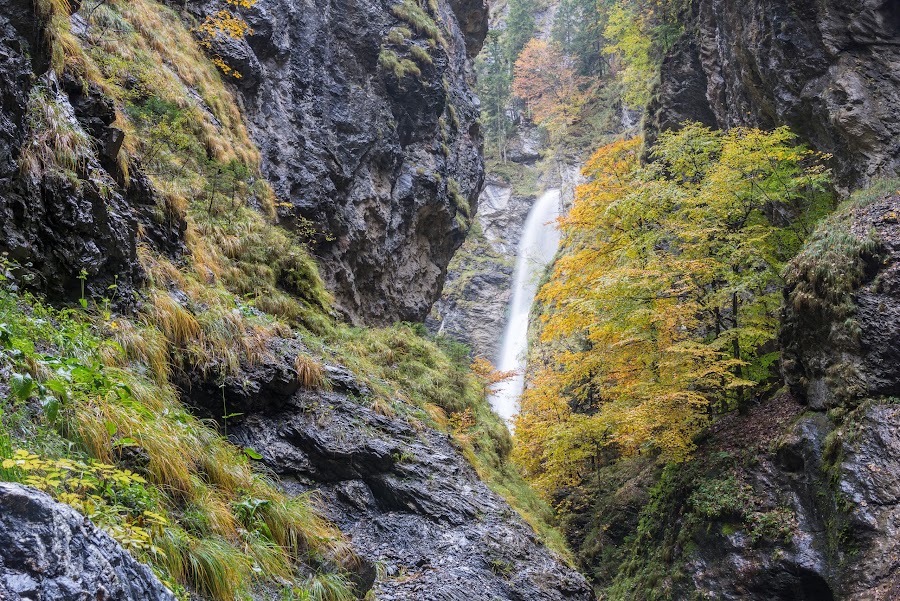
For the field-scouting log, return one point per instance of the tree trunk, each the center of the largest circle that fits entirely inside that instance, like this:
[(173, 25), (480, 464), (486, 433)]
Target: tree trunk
[(736, 352)]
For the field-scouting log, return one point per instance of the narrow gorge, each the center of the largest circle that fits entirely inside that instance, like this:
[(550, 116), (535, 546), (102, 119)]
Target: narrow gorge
[(449, 300)]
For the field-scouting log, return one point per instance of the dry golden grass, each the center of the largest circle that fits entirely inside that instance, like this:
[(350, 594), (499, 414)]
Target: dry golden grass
[(177, 323), (162, 33), (310, 372), (382, 406), (56, 142), (188, 319), (133, 344), (437, 414), (213, 505)]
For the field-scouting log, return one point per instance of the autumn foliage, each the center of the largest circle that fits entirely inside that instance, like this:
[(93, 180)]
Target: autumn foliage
[(545, 79), (488, 375), (663, 309), (222, 25)]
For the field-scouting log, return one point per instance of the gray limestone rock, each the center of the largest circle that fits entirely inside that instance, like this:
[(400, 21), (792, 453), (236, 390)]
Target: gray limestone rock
[(50, 552)]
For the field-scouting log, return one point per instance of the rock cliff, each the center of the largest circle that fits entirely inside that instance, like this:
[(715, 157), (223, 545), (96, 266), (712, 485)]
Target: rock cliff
[(825, 68), (50, 552), (368, 128), (405, 496), (472, 307), (66, 204), (842, 311)]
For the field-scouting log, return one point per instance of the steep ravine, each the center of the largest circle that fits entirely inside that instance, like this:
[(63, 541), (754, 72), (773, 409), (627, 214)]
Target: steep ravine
[(389, 169), (797, 499)]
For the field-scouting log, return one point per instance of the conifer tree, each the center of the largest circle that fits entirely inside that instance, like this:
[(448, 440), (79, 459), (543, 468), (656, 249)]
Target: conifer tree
[(520, 27), (494, 81)]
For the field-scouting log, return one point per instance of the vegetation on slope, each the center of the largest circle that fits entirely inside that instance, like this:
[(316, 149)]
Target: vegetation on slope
[(600, 57), (93, 413), (821, 282), (180, 497)]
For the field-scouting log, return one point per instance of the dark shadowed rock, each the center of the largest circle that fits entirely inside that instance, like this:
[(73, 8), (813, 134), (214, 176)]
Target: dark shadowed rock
[(845, 344), (409, 501), (803, 507), (681, 94), (472, 16), (50, 552), (388, 167), (828, 69), (54, 222), (842, 489)]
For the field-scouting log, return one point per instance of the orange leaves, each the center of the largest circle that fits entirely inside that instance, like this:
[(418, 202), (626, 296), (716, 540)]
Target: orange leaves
[(545, 79), (488, 374)]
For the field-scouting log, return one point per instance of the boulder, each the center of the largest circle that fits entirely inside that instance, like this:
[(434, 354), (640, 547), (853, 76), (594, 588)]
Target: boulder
[(50, 552)]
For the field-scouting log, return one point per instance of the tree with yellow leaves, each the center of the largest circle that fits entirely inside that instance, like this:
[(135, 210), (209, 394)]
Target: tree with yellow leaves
[(663, 308)]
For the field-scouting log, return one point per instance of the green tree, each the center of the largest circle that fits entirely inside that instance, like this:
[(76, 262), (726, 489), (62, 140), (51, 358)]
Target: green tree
[(520, 27), (494, 82), (640, 32), (578, 30)]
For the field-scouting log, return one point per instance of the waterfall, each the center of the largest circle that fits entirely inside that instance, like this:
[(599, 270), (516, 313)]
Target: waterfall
[(540, 239)]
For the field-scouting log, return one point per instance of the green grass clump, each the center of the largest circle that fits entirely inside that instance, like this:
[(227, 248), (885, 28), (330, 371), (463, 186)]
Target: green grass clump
[(820, 285), (831, 266), (321, 587), (400, 67), (399, 36), (419, 20), (459, 201), (421, 55), (521, 178), (835, 260)]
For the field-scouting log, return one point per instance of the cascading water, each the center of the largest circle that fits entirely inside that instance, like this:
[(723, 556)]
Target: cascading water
[(540, 239)]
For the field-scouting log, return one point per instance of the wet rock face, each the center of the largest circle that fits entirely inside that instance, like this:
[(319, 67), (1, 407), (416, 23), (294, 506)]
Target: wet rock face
[(373, 160), (57, 223), (844, 494), (835, 361), (825, 68), (733, 566), (50, 552), (408, 500), (780, 504)]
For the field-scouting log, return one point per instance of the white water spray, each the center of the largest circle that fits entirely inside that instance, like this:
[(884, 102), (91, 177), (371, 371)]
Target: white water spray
[(540, 239)]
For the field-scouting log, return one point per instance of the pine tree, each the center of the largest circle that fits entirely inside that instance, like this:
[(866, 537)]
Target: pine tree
[(520, 27), (494, 81), (578, 29)]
